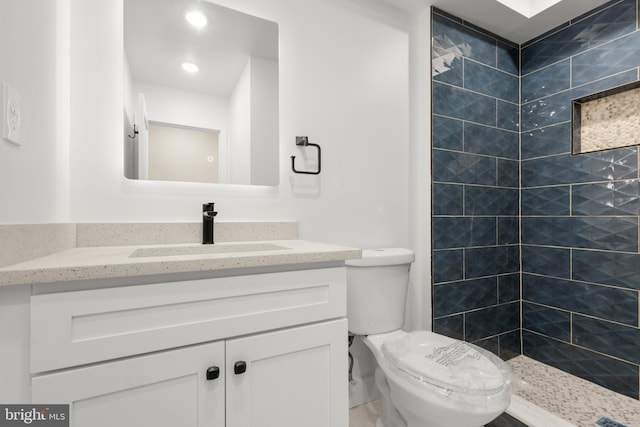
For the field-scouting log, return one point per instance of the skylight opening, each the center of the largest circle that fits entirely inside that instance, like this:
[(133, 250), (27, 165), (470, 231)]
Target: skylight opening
[(529, 8)]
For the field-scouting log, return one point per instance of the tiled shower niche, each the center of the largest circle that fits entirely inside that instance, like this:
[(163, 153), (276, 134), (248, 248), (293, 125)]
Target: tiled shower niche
[(535, 250)]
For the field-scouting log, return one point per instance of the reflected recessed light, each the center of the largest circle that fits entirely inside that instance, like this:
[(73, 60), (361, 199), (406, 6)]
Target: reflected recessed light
[(196, 18), (190, 67)]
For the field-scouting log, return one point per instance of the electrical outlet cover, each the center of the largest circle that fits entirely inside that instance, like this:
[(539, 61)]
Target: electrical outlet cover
[(11, 114)]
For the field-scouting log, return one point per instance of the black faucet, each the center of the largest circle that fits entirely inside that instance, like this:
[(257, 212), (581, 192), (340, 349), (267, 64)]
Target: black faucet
[(207, 223)]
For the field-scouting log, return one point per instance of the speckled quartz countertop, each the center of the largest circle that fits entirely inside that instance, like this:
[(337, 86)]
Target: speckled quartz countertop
[(86, 263)]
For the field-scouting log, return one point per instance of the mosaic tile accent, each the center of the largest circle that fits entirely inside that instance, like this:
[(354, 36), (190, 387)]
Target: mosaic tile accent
[(607, 122)]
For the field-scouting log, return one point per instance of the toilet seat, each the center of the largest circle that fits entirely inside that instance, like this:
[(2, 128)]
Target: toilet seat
[(449, 364)]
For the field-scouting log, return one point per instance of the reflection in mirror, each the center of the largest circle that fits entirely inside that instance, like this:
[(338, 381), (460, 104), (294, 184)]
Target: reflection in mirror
[(201, 93)]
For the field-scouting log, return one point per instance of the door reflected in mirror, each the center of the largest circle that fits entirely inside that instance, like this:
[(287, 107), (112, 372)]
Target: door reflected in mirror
[(213, 121)]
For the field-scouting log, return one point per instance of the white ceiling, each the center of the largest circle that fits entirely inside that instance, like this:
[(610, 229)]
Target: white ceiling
[(503, 21), (158, 39)]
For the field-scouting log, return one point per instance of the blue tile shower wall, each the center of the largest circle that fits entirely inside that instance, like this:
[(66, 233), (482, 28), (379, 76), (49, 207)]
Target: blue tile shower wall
[(476, 257), (535, 249), (579, 213)]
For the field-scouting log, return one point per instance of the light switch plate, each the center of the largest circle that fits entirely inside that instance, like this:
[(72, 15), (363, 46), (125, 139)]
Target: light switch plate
[(11, 114)]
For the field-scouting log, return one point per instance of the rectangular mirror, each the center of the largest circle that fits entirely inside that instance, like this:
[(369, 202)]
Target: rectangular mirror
[(201, 93)]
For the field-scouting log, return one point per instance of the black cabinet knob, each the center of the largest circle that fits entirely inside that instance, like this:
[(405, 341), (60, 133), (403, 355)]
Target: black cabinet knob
[(213, 373), (240, 367)]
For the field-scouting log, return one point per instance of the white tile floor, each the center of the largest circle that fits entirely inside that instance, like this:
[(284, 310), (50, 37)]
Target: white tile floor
[(570, 398)]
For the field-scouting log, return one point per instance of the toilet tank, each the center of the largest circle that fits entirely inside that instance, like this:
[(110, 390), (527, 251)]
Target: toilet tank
[(377, 290)]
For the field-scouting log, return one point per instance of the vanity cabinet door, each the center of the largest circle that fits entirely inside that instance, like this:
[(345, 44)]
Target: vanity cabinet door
[(289, 378), (166, 389)]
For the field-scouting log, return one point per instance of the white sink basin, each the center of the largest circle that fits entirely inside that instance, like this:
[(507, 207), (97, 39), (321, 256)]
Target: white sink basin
[(219, 248)]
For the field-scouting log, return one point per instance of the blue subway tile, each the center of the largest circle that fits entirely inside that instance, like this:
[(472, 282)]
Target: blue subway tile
[(463, 168), (606, 337), (508, 58), (508, 116), (609, 165), (451, 326), (461, 232), (595, 30), (548, 201), (609, 268), (446, 133), (508, 288), (447, 266), (447, 199), (462, 104), (546, 81), (491, 82), (548, 261), (491, 141), (450, 37), (508, 173), (608, 233), (458, 297), (488, 261), (490, 201), (508, 230), (510, 345), (618, 305), (615, 198), (613, 374), (546, 111), (490, 344), (482, 323), (611, 58), (446, 69), (556, 108), (547, 141), (547, 321)]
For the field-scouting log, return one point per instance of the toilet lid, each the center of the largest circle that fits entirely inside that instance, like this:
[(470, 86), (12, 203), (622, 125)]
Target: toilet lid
[(447, 363)]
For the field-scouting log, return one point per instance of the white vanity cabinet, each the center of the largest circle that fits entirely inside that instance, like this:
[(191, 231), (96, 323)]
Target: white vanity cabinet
[(139, 355)]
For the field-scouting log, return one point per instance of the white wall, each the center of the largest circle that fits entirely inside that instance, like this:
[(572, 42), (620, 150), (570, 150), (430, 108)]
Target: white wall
[(347, 90), (34, 176)]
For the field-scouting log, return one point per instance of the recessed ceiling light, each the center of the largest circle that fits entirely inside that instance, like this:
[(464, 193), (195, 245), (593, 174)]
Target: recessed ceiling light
[(190, 67), (196, 18)]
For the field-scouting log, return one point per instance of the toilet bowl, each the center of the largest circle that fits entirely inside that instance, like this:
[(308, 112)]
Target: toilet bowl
[(426, 379)]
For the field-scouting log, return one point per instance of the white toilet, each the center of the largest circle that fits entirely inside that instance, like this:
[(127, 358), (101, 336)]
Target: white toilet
[(426, 379)]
